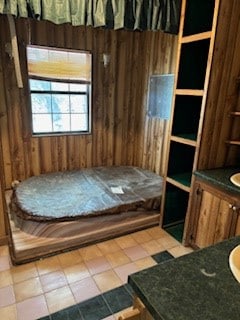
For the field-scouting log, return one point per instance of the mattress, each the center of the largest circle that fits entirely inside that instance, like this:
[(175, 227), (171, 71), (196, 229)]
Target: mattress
[(69, 195)]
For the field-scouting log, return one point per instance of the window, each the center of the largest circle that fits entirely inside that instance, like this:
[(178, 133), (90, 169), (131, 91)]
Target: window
[(60, 89)]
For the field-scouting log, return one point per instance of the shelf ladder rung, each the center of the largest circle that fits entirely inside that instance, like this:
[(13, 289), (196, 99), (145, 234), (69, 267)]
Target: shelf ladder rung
[(189, 92), (233, 142), (197, 37), (235, 113), (187, 141)]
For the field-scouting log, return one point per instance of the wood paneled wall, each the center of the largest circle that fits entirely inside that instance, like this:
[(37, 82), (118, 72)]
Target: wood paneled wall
[(122, 134)]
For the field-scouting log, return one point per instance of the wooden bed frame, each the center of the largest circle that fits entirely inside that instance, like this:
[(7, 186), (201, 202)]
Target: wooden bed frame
[(41, 239), (33, 239)]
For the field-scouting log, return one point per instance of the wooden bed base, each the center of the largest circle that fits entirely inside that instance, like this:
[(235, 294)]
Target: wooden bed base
[(32, 240), (60, 211)]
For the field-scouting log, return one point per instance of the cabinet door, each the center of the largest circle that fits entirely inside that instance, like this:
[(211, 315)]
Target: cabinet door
[(215, 220)]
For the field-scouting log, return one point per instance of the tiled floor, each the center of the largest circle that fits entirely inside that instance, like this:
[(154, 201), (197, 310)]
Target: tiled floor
[(88, 284)]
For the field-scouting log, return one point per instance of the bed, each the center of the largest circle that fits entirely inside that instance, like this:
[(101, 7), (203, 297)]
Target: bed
[(57, 211)]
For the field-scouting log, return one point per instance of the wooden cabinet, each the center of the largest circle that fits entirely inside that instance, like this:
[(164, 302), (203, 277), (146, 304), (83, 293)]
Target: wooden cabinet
[(216, 215), (195, 50), (137, 312)]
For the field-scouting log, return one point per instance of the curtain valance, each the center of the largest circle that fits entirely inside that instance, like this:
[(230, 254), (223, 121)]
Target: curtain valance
[(114, 14)]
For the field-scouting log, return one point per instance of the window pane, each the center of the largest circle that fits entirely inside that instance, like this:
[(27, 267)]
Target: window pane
[(60, 103), (79, 122), (78, 87), (41, 103), (42, 123), (61, 122), (78, 103), (39, 85), (59, 86)]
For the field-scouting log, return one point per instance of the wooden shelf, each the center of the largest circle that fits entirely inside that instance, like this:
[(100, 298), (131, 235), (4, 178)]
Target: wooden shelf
[(235, 113), (197, 37), (177, 184), (189, 92), (233, 142), (181, 180), (189, 139)]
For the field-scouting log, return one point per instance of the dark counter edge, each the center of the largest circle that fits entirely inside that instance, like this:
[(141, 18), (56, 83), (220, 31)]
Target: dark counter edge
[(220, 177)]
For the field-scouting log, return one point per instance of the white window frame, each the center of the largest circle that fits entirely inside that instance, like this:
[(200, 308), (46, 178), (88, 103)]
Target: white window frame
[(52, 80)]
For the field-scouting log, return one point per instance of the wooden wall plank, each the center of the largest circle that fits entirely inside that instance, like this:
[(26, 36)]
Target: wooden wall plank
[(6, 165)]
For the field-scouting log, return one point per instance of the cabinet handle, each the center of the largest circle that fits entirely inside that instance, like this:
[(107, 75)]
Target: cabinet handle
[(230, 206), (234, 208)]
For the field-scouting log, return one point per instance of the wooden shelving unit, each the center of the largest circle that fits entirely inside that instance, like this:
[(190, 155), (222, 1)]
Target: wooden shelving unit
[(195, 50)]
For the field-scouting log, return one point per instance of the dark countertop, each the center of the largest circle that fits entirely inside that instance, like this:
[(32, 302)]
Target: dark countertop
[(198, 286), (220, 177)]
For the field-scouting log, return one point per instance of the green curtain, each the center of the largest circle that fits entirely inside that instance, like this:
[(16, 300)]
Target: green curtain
[(115, 14)]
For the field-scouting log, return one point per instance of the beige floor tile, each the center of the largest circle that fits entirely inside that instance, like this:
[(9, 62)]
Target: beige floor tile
[(145, 263), (135, 253), (84, 289), (90, 252), (107, 280), (5, 278), (48, 265), (7, 296), (98, 265), (24, 272), (152, 247), (4, 251), (141, 236), (167, 242), (5, 263), (69, 258), (109, 246), (32, 308), (64, 299), (76, 273), (125, 270), (8, 313), (27, 289), (126, 241), (156, 232), (117, 258), (180, 250), (53, 280)]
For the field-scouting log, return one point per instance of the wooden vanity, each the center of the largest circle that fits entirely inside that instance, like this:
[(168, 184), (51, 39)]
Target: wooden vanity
[(214, 208)]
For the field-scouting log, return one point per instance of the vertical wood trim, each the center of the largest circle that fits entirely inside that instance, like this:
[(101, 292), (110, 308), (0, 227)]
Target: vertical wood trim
[(15, 50)]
